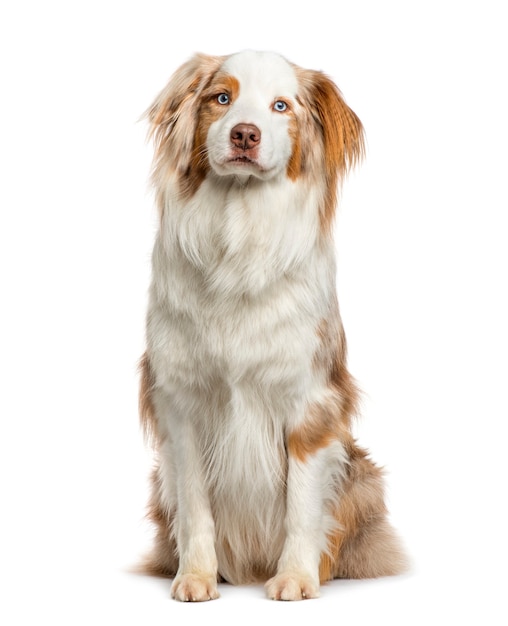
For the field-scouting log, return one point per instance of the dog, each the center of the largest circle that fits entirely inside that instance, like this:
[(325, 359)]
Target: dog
[(245, 391)]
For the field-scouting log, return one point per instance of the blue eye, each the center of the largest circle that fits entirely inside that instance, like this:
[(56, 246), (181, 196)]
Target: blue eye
[(223, 98), (280, 106)]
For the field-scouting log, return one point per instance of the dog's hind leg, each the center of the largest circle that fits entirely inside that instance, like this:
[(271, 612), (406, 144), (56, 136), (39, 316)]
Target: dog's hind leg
[(364, 544)]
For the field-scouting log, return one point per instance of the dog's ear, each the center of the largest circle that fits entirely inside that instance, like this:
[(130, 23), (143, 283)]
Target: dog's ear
[(173, 115), (340, 130)]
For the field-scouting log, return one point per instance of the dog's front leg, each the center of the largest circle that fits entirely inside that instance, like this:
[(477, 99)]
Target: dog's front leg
[(309, 475), (196, 579)]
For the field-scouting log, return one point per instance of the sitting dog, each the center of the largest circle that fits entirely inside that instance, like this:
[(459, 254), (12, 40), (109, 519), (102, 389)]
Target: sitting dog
[(244, 386)]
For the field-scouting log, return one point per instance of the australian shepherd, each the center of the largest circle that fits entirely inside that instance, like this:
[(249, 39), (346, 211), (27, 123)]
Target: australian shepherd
[(245, 391)]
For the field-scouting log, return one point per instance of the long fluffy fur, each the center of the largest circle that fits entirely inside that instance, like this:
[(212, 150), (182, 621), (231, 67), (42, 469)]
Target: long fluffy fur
[(245, 391)]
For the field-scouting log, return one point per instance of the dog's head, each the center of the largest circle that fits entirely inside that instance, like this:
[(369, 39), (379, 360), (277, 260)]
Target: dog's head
[(252, 114)]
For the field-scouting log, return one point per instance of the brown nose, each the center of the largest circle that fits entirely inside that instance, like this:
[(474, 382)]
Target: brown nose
[(245, 136)]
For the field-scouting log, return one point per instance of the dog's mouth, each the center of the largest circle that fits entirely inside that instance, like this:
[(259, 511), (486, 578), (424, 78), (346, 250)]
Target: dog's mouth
[(245, 162), (243, 159), (241, 165)]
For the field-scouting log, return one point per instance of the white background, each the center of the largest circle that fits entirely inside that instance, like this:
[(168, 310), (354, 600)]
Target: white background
[(422, 283)]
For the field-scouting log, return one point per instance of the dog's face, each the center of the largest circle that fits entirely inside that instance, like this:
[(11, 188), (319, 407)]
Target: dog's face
[(248, 116), (252, 114)]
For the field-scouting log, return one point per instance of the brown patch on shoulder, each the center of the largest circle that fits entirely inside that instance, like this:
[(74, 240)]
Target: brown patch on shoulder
[(146, 408), (331, 356), (330, 419)]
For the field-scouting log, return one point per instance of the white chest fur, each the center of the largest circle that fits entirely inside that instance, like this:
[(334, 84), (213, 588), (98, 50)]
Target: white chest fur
[(240, 284)]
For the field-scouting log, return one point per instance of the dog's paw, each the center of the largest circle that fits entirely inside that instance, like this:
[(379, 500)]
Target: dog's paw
[(292, 586), (194, 588)]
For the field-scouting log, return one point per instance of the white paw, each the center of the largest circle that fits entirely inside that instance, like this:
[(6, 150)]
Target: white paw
[(194, 588), (292, 586)]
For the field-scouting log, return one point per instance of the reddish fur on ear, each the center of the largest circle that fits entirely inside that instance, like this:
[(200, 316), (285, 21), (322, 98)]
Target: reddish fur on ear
[(173, 118), (342, 129), (341, 133)]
